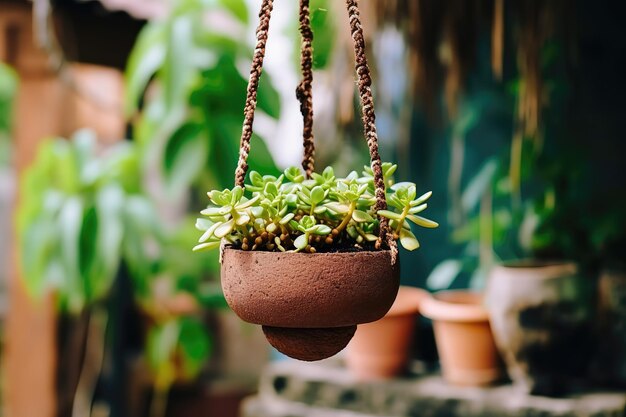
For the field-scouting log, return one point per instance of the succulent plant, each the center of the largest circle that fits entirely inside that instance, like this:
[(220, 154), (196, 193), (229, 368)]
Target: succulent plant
[(320, 214)]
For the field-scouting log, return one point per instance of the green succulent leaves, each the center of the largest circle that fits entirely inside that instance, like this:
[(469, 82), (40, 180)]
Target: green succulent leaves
[(323, 213)]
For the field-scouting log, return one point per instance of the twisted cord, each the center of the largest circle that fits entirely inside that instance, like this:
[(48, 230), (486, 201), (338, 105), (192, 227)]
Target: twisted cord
[(369, 123), (304, 90), (253, 85)]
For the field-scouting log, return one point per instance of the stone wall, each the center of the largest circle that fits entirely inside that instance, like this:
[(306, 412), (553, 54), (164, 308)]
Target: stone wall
[(298, 389)]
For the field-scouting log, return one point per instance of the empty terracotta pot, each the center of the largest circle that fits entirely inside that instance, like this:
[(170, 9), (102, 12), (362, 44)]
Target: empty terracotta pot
[(542, 319), (467, 351), (381, 349), (309, 304)]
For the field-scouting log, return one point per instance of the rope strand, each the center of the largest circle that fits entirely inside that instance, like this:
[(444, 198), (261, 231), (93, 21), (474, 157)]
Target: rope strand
[(253, 85), (304, 90), (369, 123)]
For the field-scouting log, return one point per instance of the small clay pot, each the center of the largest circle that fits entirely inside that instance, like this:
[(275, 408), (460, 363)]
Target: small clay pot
[(380, 350), (288, 293), (467, 351), (542, 318)]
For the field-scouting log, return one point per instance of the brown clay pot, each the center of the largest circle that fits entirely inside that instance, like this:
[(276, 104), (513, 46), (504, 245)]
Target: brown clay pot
[(309, 304), (465, 343), (542, 315), (380, 350)]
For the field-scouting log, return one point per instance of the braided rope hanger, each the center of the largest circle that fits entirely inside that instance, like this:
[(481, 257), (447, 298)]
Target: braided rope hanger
[(304, 94)]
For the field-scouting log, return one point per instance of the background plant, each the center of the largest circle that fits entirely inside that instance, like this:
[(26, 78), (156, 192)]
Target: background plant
[(189, 122), (323, 213), (82, 212), (8, 89)]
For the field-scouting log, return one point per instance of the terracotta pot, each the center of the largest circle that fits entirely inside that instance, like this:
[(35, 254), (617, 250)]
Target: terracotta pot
[(541, 318), (381, 349), (309, 304), (465, 343)]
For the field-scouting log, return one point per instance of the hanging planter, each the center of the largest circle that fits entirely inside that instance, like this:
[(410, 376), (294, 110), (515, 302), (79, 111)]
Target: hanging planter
[(309, 256)]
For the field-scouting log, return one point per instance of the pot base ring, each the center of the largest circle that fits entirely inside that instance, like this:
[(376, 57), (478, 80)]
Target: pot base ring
[(309, 344)]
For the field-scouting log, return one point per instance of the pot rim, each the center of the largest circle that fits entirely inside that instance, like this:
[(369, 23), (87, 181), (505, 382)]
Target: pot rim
[(549, 268), (296, 254), (408, 301), (435, 307)]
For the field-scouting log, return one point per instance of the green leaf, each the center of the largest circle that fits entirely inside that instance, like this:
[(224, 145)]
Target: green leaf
[(301, 242), (236, 194), (321, 229), (257, 211), (256, 178), (478, 185), (70, 221), (317, 195), (215, 211), (248, 203), (270, 190), (418, 209), (371, 237), (178, 68), (109, 207), (408, 240), (294, 174), (207, 246), (195, 346), (421, 199), (307, 222), (146, 57), (444, 274), (209, 232), (203, 224), (242, 220), (421, 221), (184, 158), (237, 8), (287, 218), (389, 214), (324, 28), (361, 216), (224, 228)]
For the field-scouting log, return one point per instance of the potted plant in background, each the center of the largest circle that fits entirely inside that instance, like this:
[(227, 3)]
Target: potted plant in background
[(380, 349), (81, 220), (608, 238), (464, 339)]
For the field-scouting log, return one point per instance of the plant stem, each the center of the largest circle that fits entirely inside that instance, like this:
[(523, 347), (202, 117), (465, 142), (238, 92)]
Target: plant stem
[(158, 403), (401, 222), (92, 363), (346, 219)]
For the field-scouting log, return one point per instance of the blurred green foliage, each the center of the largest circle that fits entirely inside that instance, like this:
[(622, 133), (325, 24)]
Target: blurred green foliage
[(8, 89), (81, 213), (185, 96), (177, 349), (191, 116), (324, 27)]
